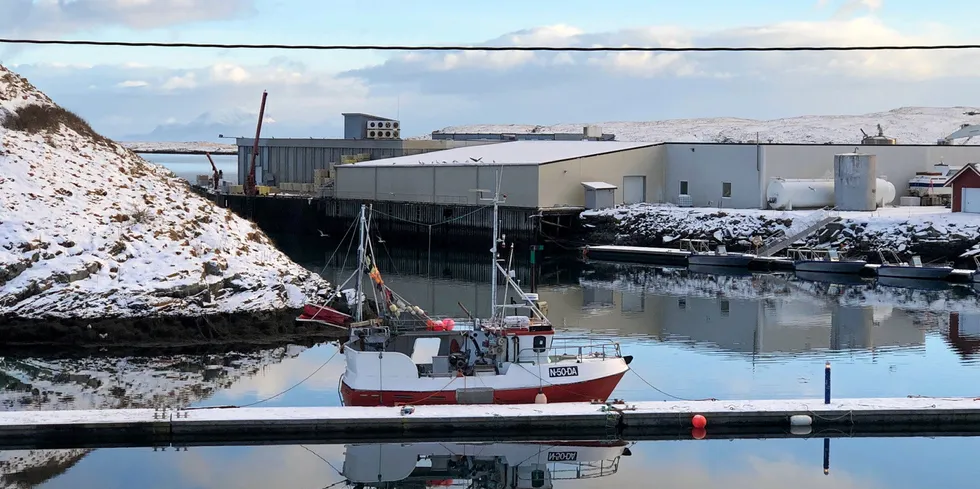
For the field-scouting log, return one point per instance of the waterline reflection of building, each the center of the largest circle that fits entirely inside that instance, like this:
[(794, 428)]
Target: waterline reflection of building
[(747, 326)]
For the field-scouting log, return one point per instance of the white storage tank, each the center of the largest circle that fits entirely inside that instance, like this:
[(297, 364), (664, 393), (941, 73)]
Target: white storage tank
[(885, 191), (855, 185), (799, 193)]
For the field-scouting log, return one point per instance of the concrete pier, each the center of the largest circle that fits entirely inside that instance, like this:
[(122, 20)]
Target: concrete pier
[(125, 427)]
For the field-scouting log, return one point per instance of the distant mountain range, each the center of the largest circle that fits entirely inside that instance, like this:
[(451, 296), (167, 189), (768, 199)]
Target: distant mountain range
[(233, 122)]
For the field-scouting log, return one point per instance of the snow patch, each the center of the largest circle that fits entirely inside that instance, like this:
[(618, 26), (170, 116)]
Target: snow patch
[(90, 229), (909, 125)]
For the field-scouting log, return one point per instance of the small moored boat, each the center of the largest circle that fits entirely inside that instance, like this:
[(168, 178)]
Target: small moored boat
[(893, 267), (823, 261), (701, 255)]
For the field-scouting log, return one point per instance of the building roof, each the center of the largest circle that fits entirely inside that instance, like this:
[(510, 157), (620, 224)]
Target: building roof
[(510, 153), (369, 116), (968, 167), (599, 186)]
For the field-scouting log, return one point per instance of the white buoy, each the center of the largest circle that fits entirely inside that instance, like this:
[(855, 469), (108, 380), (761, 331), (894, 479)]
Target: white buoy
[(800, 420), (541, 398)]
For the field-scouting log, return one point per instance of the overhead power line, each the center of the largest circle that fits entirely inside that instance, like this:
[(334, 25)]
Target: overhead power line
[(354, 47)]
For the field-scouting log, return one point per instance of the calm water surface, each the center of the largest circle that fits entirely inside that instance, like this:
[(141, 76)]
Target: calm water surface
[(692, 336), (189, 166), (765, 464)]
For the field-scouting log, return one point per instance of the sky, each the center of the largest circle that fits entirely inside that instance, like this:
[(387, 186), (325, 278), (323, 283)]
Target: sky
[(195, 94)]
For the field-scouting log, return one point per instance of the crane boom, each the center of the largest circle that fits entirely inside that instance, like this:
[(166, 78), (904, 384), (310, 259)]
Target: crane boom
[(250, 184)]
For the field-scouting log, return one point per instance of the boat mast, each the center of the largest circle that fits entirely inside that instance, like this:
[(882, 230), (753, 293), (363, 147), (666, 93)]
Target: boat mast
[(493, 257), (358, 311)]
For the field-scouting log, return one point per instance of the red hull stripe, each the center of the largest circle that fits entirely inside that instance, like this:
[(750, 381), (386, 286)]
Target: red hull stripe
[(598, 389)]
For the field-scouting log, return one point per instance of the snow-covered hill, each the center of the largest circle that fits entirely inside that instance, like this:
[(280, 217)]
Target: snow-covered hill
[(909, 125), (90, 229)]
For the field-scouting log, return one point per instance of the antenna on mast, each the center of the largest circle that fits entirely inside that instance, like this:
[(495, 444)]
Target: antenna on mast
[(496, 200)]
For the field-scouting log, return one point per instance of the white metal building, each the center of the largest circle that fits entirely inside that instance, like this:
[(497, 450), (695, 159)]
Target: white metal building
[(536, 174), (553, 174)]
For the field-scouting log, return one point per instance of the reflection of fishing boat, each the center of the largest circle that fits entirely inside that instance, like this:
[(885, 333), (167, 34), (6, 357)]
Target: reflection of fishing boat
[(893, 267), (831, 278), (717, 270), (823, 261), (405, 356), (701, 255), (914, 283), (480, 465)]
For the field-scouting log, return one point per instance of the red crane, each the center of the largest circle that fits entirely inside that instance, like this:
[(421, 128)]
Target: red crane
[(250, 188)]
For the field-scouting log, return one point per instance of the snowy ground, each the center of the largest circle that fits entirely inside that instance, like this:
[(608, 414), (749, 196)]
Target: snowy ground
[(899, 228), (682, 283), (113, 383), (89, 229), (177, 147), (909, 125)]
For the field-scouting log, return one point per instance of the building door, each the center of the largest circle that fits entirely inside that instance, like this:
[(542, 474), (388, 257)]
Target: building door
[(634, 189), (971, 200)]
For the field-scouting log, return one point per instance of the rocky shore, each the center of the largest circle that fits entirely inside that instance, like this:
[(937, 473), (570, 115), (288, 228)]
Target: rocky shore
[(933, 233)]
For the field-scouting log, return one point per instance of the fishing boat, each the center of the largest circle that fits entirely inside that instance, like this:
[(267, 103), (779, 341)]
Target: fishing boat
[(523, 465), (914, 270), (823, 261), (701, 255), (403, 355)]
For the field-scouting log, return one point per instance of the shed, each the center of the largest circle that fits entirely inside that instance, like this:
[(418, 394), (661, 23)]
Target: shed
[(599, 195), (966, 189)]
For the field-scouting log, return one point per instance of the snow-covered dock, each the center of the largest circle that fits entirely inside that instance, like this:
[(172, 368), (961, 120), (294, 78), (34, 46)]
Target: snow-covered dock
[(879, 415)]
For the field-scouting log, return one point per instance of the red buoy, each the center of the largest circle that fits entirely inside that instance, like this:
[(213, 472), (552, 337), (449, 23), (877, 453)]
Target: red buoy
[(698, 433), (699, 421)]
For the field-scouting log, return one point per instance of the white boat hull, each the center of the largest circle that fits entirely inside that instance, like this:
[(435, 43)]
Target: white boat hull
[(393, 378), (917, 273)]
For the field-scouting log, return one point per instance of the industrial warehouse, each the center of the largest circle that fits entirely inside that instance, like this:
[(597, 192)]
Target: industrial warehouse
[(554, 172), (550, 178)]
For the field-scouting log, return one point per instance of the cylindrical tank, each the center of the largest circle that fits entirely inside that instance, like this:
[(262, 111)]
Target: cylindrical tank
[(800, 193), (797, 193), (855, 185), (885, 192)]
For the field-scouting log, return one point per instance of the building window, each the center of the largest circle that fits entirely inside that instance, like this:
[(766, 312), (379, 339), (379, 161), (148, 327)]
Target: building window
[(726, 190), (725, 308), (683, 187)]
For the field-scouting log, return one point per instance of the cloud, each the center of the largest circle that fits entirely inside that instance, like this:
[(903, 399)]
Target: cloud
[(431, 90), (57, 17), (134, 100)]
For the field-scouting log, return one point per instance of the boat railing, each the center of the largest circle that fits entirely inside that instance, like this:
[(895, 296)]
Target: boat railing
[(699, 246), (580, 348), (812, 254), (584, 470)]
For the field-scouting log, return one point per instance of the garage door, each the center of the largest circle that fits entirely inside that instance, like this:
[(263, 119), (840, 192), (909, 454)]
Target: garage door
[(634, 189), (971, 200)]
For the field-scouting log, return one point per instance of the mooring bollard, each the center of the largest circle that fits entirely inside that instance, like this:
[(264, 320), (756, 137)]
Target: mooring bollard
[(826, 384)]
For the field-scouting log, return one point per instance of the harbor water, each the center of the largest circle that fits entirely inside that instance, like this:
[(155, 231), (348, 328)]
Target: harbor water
[(692, 337)]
